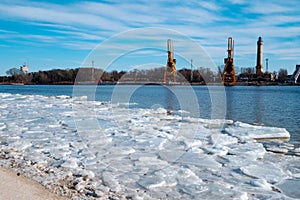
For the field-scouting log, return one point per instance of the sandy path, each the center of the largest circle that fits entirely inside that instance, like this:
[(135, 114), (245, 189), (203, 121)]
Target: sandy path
[(13, 187)]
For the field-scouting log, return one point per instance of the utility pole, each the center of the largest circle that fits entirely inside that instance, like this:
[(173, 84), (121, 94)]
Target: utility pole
[(191, 70), (93, 70)]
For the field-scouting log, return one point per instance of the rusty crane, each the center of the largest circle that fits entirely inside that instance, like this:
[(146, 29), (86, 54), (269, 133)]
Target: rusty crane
[(228, 76), (170, 72)]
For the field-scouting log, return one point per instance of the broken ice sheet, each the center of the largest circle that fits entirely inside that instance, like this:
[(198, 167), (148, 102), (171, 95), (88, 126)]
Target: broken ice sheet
[(143, 152), (267, 171), (247, 132), (290, 187)]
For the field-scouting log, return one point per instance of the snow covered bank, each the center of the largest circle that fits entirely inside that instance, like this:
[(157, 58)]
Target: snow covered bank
[(89, 149)]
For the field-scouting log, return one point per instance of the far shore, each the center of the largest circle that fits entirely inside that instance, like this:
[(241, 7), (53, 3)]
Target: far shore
[(156, 83)]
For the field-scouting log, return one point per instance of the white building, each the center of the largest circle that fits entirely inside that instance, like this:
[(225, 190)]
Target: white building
[(24, 69)]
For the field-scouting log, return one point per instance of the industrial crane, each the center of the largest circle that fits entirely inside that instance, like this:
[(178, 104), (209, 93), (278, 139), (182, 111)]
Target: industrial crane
[(170, 72), (228, 76)]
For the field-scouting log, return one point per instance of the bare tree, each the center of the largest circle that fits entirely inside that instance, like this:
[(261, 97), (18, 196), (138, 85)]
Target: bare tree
[(14, 71), (282, 74)]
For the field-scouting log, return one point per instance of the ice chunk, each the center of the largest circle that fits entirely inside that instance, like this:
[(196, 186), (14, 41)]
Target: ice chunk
[(288, 146), (261, 183), (71, 163), (290, 187), (187, 176), (21, 144), (216, 149), (80, 98), (193, 190), (201, 161), (246, 131), (193, 143), (297, 150), (5, 95), (266, 171), (63, 97), (150, 182), (150, 161), (110, 180), (170, 156), (278, 150), (250, 150), (2, 126), (214, 191), (160, 111), (222, 139)]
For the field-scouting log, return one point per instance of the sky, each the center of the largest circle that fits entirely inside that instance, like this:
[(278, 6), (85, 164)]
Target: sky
[(62, 34)]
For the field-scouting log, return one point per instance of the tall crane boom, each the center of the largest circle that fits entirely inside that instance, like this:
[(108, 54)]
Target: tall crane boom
[(170, 72), (170, 45)]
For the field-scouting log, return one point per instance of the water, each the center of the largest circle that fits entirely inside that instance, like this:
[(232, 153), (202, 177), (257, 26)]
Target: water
[(276, 106), (269, 105)]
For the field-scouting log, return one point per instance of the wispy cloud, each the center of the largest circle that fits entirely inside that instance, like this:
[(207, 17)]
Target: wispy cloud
[(238, 1), (270, 7), (81, 25)]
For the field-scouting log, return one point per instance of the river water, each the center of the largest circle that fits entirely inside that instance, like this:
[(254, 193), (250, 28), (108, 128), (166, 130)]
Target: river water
[(276, 106)]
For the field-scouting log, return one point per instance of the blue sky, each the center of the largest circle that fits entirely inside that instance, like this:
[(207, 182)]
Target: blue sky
[(61, 34)]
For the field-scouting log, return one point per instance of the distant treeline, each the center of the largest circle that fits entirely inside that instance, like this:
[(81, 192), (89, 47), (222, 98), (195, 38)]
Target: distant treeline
[(69, 76), (41, 77), (85, 75)]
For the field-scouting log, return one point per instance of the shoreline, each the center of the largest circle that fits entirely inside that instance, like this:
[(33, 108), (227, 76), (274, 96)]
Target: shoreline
[(15, 186)]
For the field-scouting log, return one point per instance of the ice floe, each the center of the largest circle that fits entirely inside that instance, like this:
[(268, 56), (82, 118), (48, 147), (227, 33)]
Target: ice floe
[(87, 149), (246, 131)]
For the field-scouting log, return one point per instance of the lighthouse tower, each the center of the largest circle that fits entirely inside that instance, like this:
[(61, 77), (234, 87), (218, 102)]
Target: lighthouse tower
[(259, 65)]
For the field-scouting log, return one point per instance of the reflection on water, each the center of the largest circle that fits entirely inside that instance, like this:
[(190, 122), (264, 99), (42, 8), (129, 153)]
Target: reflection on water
[(246, 106), (229, 101), (260, 109), (170, 99), (153, 97), (276, 106)]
